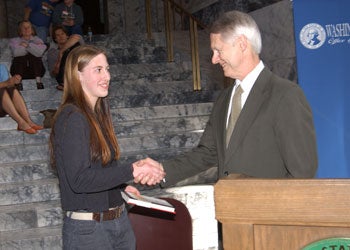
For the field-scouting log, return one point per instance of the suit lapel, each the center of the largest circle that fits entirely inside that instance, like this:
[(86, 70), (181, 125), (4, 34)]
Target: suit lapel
[(258, 94)]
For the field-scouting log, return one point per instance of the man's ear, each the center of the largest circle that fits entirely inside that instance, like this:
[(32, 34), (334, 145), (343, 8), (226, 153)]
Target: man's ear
[(243, 42)]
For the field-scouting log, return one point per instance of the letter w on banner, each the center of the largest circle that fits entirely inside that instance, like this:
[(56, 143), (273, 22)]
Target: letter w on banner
[(322, 34)]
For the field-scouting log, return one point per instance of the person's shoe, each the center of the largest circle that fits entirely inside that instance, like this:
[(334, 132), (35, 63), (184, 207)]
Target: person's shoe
[(37, 127), (19, 86), (39, 85), (29, 130), (59, 87)]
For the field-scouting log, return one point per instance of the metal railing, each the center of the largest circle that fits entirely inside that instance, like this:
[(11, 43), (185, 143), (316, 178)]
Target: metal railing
[(170, 8)]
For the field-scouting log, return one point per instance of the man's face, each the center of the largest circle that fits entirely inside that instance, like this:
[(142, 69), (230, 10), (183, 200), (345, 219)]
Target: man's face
[(68, 2), (60, 37), (227, 54)]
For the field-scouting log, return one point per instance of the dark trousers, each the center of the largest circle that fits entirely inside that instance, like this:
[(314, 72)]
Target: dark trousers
[(93, 235), (28, 66)]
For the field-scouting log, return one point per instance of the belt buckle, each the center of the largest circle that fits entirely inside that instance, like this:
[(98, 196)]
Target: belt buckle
[(119, 211), (108, 215)]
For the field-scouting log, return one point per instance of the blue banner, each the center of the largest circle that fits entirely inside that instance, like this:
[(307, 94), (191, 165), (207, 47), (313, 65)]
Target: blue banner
[(322, 36)]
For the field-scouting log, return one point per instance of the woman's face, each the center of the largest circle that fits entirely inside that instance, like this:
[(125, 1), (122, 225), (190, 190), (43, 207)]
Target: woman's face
[(26, 29), (94, 78)]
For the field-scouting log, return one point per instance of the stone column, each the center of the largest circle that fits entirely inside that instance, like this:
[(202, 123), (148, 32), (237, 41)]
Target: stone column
[(3, 19)]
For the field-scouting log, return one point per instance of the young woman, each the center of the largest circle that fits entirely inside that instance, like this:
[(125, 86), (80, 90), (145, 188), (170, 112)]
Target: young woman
[(85, 151), (12, 102)]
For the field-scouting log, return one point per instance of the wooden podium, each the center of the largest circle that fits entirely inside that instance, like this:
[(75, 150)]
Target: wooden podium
[(282, 214)]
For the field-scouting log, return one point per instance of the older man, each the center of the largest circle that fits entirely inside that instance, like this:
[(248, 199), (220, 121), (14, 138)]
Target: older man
[(262, 126)]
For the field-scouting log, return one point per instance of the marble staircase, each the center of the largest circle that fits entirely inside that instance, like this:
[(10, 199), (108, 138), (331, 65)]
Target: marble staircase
[(155, 112)]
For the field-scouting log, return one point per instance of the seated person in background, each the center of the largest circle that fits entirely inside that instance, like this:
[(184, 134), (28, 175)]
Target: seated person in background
[(70, 15), (39, 13), (56, 57), (27, 51), (12, 103)]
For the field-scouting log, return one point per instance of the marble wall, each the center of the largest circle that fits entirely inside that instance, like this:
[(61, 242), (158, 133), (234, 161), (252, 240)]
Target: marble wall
[(128, 16), (277, 30), (275, 22)]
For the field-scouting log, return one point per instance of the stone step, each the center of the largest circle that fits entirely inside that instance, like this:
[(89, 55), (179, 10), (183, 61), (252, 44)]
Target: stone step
[(136, 120), (134, 48), (7, 123), (160, 126), (152, 72), (10, 136), (30, 215), (14, 137), (129, 146), (130, 94), (159, 112), (25, 171), (126, 49), (24, 153), (120, 115), (32, 239), (29, 191)]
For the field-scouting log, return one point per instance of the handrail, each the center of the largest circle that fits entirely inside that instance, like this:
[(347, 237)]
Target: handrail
[(178, 6), (194, 22)]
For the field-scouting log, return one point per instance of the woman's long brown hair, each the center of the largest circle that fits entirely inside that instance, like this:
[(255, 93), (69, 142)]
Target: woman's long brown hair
[(102, 135)]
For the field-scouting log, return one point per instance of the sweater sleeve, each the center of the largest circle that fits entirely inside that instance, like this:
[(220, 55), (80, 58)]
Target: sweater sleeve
[(36, 47), (74, 159), (16, 48)]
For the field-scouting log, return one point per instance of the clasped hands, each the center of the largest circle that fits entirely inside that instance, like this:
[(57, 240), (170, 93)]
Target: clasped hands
[(13, 80), (148, 171)]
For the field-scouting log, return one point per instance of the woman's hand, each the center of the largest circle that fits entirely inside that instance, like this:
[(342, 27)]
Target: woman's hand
[(132, 190), (13, 80)]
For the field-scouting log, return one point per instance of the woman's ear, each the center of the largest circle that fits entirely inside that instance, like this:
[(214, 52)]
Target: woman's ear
[(80, 75)]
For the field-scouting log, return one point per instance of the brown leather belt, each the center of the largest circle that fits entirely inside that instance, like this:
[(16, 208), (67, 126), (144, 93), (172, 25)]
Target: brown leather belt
[(111, 214)]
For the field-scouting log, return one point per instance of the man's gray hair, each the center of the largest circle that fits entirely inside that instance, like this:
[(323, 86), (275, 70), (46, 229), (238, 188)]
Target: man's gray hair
[(235, 23)]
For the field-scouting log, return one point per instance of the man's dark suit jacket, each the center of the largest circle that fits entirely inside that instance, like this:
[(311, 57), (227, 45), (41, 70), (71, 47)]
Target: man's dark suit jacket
[(274, 136)]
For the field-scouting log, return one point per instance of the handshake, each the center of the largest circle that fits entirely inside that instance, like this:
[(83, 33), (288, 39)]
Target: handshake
[(148, 171)]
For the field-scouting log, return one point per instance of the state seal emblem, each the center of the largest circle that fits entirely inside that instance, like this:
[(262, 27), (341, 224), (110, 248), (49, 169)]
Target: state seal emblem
[(312, 36)]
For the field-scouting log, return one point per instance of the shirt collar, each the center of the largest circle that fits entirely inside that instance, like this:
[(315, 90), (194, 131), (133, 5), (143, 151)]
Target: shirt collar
[(250, 79)]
